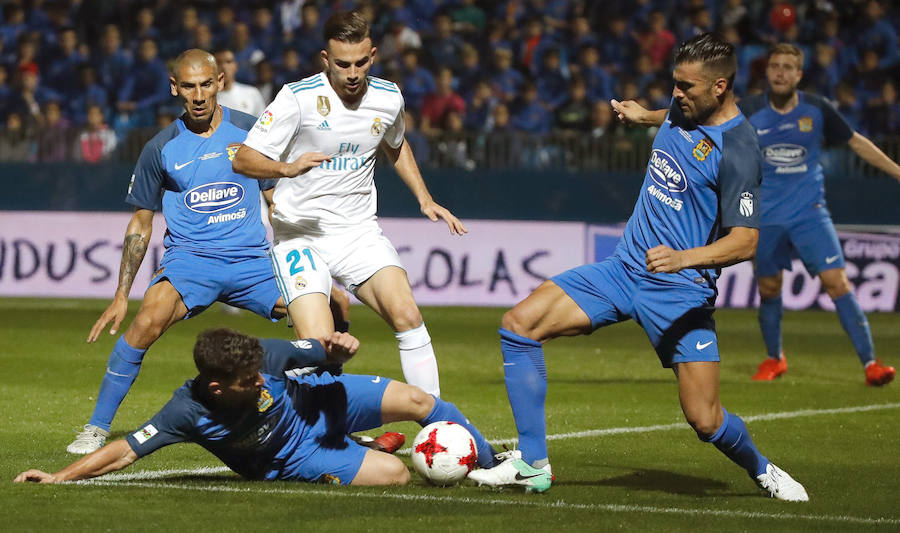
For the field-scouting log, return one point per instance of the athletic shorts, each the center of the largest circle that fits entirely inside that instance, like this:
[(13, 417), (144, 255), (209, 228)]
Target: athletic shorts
[(813, 238), (201, 280), (305, 264), (315, 463), (676, 317)]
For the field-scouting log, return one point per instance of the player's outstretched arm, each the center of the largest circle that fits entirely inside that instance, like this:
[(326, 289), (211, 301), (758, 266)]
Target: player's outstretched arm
[(340, 347), (114, 456), (631, 112), (137, 239), (873, 155), (405, 164), (253, 164), (739, 245)]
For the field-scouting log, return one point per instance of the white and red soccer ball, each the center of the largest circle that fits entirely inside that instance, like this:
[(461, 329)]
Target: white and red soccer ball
[(443, 453)]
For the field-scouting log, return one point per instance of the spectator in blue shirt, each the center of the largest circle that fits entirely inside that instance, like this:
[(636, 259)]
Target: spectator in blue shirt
[(506, 80), (61, 71), (883, 118), (417, 80), (145, 88), (876, 33), (87, 93), (530, 115), (307, 39), (552, 86), (111, 61), (246, 53), (443, 46), (599, 83)]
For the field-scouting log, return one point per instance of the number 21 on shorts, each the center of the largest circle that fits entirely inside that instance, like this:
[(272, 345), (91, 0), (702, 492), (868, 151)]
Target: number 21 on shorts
[(295, 260)]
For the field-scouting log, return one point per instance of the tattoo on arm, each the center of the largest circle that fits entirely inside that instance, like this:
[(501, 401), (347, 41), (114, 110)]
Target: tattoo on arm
[(132, 255)]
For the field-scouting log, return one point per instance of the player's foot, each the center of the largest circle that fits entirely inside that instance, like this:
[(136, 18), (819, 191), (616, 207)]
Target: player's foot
[(513, 471), (771, 368), (90, 439), (878, 374), (780, 485), (388, 442)]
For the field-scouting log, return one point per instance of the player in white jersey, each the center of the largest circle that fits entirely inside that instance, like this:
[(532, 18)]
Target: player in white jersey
[(236, 95), (322, 133)]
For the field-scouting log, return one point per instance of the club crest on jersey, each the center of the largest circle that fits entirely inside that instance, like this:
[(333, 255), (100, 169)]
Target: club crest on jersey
[(264, 402), (300, 283), (329, 479), (323, 106), (377, 127), (231, 150), (805, 124), (702, 150), (746, 205), (159, 272), (212, 197), (666, 172)]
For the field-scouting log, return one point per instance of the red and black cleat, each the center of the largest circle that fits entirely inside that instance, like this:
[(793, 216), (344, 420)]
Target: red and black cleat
[(388, 442)]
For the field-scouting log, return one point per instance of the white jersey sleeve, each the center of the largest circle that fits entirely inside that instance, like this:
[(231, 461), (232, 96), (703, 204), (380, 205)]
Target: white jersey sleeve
[(394, 134), (276, 128)]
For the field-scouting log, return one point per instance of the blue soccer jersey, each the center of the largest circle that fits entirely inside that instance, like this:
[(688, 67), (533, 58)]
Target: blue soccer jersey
[(699, 180), (793, 183), (208, 208)]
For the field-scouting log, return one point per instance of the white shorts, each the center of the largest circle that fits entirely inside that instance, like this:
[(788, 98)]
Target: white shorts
[(305, 263)]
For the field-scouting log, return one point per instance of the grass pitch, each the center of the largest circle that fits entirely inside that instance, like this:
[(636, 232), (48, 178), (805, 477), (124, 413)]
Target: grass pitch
[(622, 454)]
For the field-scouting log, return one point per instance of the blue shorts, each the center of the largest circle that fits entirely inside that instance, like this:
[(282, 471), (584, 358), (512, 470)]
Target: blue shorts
[(202, 280), (813, 238), (676, 317), (314, 463)]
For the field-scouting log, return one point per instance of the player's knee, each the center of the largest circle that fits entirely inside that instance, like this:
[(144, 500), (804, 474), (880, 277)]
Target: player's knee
[(836, 286), (147, 326), (419, 402), (514, 320), (406, 317), (396, 472), (705, 424), (769, 288)]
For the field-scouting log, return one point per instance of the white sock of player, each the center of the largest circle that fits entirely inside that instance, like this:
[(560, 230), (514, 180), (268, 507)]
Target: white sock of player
[(417, 359)]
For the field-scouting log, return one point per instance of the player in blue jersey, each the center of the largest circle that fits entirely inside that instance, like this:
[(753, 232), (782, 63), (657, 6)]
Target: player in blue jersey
[(697, 212), (216, 247), (792, 126), (264, 425)]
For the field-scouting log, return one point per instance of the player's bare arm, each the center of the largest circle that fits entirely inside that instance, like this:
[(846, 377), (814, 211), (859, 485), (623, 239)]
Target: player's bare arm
[(631, 112), (405, 164), (340, 347), (873, 155), (253, 164), (738, 245), (137, 239), (110, 458)]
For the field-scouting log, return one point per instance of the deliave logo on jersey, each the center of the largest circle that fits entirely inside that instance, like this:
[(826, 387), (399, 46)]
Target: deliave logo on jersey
[(784, 154), (212, 197), (666, 172)]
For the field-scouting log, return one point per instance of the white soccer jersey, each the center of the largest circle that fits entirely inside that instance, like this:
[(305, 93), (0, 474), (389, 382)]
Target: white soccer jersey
[(242, 97), (308, 116)]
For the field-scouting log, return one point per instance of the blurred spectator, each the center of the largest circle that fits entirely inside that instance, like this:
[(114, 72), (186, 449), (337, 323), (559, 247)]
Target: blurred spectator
[(868, 77), (265, 33), (96, 140), (734, 13), (61, 71), (145, 28), (581, 34), (469, 71), (145, 88), (87, 93), (883, 118), (530, 115), (657, 41), (617, 47), (111, 61), (54, 138), (417, 80), (13, 26), (479, 107), (468, 18), (6, 94), (877, 34), (289, 15), (500, 119), (556, 15), (551, 84), (452, 147), (292, 69), (822, 76), (265, 80), (533, 45), (602, 120), (235, 94), (599, 83), (16, 141), (417, 140), (506, 80), (700, 22), (439, 104), (180, 35), (659, 95), (399, 39), (246, 53), (28, 96), (224, 23), (307, 39), (849, 106), (575, 113), (202, 38), (443, 46)]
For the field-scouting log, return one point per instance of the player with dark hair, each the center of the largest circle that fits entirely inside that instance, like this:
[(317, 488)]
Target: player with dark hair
[(792, 126), (322, 135), (697, 212), (264, 425)]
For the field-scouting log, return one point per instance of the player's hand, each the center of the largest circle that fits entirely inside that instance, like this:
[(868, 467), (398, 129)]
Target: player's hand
[(340, 347), (35, 476), (435, 211), (304, 163), (629, 112), (664, 259), (115, 313)]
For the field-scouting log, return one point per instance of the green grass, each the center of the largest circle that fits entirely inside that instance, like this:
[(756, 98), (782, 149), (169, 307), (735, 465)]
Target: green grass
[(653, 480)]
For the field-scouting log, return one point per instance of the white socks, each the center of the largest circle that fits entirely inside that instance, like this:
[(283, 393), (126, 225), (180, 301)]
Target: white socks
[(417, 359)]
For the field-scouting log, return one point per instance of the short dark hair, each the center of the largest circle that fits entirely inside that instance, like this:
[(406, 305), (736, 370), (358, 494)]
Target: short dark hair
[(346, 27), (225, 354), (713, 51)]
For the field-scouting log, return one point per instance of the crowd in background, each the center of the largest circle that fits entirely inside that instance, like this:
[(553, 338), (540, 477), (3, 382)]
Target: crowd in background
[(78, 76)]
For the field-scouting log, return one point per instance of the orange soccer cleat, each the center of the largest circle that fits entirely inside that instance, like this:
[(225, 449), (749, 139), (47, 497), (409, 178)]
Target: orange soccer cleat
[(389, 442), (770, 369), (878, 374)]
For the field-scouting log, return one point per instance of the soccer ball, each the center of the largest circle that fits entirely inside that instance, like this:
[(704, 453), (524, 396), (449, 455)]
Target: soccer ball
[(443, 453)]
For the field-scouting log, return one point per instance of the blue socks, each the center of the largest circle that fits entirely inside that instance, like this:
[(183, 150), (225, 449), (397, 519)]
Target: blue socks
[(526, 386), (857, 327), (121, 371), (770, 313), (447, 411), (733, 439)]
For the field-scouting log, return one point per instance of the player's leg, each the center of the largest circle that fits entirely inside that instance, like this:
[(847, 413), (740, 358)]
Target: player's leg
[(379, 468), (340, 309), (698, 391), (389, 294), (773, 254), (303, 278)]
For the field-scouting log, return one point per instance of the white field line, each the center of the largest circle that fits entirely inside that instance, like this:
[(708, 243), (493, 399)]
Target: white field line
[(529, 503)]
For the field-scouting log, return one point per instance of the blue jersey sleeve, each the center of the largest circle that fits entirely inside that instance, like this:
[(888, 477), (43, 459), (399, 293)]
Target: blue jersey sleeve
[(149, 178), (280, 355), (173, 423), (740, 175), (752, 104), (835, 128)]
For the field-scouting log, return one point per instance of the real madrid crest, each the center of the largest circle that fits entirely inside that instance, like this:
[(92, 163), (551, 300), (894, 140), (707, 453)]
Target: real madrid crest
[(805, 124), (300, 283), (702, 150), (323, 105), (377, 127)]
